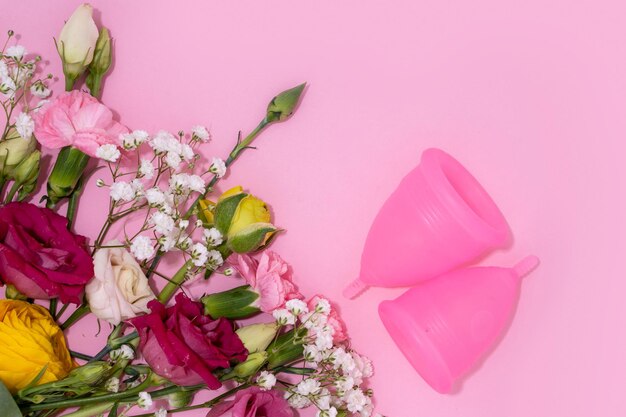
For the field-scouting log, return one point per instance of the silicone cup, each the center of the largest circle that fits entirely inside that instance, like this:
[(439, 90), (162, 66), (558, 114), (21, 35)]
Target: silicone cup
[(446, 325), (437, 219)]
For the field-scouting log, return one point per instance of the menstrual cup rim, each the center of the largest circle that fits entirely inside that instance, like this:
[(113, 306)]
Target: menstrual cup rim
[(434, 161), (421, 357)]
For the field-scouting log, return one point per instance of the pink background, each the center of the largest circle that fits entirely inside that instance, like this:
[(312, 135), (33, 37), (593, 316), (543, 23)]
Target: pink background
[(529, 95)]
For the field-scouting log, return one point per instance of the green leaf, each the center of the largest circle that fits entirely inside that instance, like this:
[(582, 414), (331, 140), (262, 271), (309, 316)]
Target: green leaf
[(250, 238), (225, 211), (7, 404)]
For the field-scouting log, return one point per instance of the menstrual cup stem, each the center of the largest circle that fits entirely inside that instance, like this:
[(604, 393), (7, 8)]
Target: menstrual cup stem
[(526, 266), (356, 288)]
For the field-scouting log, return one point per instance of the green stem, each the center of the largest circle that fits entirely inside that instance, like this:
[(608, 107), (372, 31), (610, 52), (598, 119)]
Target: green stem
[(62, 310), (76, 315), (12, 192), (77, 402), (168, 291), (80, 356), (92, 410), (69, 83), (53, 308)]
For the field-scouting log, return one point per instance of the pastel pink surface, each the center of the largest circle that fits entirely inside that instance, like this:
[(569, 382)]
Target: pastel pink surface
[(529, 95)]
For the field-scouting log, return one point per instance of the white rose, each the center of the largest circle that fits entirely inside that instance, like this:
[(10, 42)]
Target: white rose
[(119, 289), (77, 40)]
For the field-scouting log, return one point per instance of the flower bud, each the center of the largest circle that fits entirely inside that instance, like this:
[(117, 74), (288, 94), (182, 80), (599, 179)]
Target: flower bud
[(236, 303), (76, 43), (283, 105), (180, 399), (100, 64), (251, 366), (13, 149), (286, 348), (92, 373), (13, 293), (26, 174), (67, 171), (257, 337)]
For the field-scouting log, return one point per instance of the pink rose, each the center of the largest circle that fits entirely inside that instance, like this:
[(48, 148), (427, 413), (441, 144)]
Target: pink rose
[(253, 402), (270, 277), (183, 345), (75, 118), (334, 320), (39, 256)]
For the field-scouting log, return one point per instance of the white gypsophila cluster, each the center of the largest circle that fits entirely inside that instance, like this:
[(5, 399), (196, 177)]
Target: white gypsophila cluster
[(25, 125), (122, 190), (145, 400), (200, 133), (174, 151), (112, 384), (340, 374), (266, 380), (108, 152), (142, 248), (161, 412), (124, 352), (218, 167)]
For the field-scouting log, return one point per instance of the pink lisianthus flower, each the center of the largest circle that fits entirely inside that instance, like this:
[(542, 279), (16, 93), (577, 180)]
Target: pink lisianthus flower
[(75, 118), (253, 402), (333, 319), (269, 276)]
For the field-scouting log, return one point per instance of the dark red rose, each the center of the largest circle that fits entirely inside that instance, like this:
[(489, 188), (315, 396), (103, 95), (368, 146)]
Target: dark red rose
[(39, 256), (183, 345)]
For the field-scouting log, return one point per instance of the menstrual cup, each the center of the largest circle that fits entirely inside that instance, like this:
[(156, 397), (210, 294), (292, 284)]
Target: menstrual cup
[(446, 325), (437, 219)]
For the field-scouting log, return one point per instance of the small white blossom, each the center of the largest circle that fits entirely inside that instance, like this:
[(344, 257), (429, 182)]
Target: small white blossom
[(284, 317), (212, 237), (199, 254), (296, 400), (322, 400), (8, 87), (214, 259), (155, 197), (173, 160), (218, 167), (312, 354), (140, 136), (124, 352), (322, 306), (145, 400), (161, 142), (161, 412), (183, 224), (163, 224), (324, 338), (24, 125), (327, 412), (308, 386), (179, 184), (108, 152), (200, 133), (16, 52), (39, 90), (355, 400), (266, 380), (196, 183), (344, 384), (187, 152), (121, 190), (184, 242), (146, 169), (112, 384), (297, 307), (142, 248), (4, 70)]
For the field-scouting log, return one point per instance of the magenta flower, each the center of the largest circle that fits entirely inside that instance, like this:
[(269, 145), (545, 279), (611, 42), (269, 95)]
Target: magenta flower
[(185, 346), (75, 118), (253, 402), (39, 256), (270, 277)]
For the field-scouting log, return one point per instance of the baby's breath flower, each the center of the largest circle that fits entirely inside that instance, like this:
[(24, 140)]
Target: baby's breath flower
[(146, 169), (145, 400), (121, 190), (355, 400), (108, 152), (112, 384), (214, 259), (187, 152), (163, 224), (297, 307), (212, 237), (173, 160), (24, 125), (16, 52), (308, 386), (39, 89), (196, 183), (124, 352), (142, 248), (200, 133), (199, 254), (218, 167), (155, 197), (162, 412), (284, 317), (266, 380)]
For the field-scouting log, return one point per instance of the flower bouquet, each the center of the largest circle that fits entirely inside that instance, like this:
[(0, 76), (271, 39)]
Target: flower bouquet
[(164, 346)]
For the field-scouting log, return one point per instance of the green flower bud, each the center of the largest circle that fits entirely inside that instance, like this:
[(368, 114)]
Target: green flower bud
[(13, 149), (286, 348), (251, 237), (250, 367), (13, 293), (92, 373), (236, 303), (283, 105), (257, 337), (180, 399), (67, 171), (100, 64)]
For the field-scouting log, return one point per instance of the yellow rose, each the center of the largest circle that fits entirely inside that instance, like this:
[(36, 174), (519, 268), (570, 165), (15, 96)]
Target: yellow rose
[(229, 193), (30, 340), (249, 211)]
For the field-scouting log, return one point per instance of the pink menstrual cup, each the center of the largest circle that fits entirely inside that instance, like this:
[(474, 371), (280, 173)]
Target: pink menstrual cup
[(444, 326), (437, 219)]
